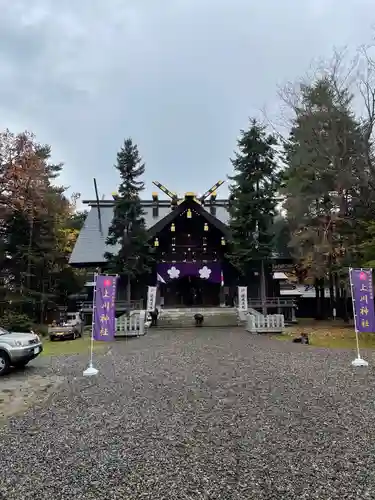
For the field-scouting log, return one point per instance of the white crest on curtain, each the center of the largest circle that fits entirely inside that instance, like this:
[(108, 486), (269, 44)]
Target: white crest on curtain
[(205, 272), (173, 272)]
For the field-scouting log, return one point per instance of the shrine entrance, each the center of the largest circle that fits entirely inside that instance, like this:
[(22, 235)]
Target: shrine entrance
[(189, 284), (190, 291)]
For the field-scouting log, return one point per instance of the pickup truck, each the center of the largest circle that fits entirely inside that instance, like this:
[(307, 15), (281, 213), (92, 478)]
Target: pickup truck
[(71, 329), (17, 349)]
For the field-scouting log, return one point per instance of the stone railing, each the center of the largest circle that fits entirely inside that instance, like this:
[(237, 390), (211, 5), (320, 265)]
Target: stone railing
[(271, 302), (134, 324), (272, 323)]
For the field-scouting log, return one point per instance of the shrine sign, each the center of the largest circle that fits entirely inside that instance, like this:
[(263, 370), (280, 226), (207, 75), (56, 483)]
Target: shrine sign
[(363, 300)]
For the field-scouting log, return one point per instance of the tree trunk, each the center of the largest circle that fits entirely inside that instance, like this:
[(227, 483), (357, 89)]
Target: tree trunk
[(320, 298), (318, 313), (128, 290), (41, 320), (339, 304), (332, 300), (29, 249), (323, 308), (345, 314)]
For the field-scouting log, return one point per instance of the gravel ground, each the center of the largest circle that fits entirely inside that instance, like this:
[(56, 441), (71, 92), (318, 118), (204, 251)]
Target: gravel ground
[(20, 388), (196, 415)]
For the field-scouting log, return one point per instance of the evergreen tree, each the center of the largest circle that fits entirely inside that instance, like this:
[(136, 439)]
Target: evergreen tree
[(253, 191), (326, 184), (128, 230)]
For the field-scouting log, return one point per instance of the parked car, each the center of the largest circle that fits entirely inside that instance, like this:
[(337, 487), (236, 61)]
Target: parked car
[(17, 349), (70, 329)]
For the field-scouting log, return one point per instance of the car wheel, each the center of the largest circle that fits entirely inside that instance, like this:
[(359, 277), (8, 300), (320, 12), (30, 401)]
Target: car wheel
[(75, 335), (52, 338), (4, 363)]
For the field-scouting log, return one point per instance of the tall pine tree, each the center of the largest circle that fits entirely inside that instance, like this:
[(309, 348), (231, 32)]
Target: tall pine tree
[(128, 230), (253, 207), (327, 188)]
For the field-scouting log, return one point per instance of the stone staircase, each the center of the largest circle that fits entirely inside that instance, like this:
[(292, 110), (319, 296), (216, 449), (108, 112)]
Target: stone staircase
[(254, 312), (184, 317), (242, 315)]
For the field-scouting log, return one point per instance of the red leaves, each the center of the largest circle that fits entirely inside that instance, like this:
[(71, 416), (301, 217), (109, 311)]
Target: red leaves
[(24, 175)]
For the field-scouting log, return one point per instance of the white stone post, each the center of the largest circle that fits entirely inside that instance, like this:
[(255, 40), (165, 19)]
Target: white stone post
[(242, 302)]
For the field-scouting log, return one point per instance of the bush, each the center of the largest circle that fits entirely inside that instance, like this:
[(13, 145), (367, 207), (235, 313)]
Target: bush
[(17, 322)]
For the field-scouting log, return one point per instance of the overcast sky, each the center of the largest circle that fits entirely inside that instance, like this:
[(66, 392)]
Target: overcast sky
[(181, 77)]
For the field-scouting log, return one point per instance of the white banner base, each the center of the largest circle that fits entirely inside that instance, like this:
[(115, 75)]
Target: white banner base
[(90, 371), (359, 362)]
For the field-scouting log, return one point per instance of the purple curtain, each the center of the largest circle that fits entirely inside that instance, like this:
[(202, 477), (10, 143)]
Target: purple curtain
[(210, 271)]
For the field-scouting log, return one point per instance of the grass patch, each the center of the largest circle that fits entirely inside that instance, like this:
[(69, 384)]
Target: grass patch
[(334, 334), (78, 346)]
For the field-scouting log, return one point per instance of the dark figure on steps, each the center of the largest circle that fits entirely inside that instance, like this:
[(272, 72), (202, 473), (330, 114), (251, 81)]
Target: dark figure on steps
[(154, 317), (198, 319)]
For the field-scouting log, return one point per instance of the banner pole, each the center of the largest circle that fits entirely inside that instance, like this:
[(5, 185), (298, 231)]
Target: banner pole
[(358, 361), (90, 371)]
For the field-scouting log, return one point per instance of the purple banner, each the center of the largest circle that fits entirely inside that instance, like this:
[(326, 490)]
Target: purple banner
[(209, 271), (363, 300), (104, 315)]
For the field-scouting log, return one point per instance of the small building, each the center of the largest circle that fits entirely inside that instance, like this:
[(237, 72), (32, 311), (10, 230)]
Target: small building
[(190, 237)]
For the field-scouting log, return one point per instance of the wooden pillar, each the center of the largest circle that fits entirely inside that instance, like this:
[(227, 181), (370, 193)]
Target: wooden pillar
[(294, 319), (128, 290), (263, 289), (222, 297)]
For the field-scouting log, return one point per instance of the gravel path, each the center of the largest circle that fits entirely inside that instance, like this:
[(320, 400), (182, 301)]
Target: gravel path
[(198, 415), (21, 387)]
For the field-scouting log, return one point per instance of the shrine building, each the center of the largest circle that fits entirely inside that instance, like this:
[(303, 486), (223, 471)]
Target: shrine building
[(191, 238)]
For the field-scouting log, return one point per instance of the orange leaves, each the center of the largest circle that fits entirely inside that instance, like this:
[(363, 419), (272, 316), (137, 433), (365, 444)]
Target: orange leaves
[(24, 174)]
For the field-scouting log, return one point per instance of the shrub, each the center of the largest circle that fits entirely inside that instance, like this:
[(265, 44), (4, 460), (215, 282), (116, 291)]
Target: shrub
[(14, 321)]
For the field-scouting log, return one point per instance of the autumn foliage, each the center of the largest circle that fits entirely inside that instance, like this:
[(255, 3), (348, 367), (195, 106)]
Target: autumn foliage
[(36, 230)]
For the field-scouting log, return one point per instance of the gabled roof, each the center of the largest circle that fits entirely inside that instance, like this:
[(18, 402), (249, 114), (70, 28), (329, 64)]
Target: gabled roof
[(214, 221), (91, 242)]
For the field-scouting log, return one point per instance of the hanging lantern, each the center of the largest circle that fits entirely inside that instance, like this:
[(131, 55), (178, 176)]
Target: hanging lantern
[(188, 213), (222, 241), (173, 228), (205, 227), (156, 242)]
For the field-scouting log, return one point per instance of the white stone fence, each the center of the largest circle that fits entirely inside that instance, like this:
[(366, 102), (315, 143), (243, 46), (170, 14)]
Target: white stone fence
[(133, 324), (272, 323)]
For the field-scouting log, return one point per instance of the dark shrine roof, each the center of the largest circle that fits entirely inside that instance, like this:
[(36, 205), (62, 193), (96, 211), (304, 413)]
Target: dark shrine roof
[(91, 242)]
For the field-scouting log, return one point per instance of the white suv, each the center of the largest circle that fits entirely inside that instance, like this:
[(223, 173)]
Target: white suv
[(17, 349)]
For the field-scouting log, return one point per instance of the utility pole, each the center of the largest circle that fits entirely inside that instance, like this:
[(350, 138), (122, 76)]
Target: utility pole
[(126, 242), (263, 289), (263, 294)]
